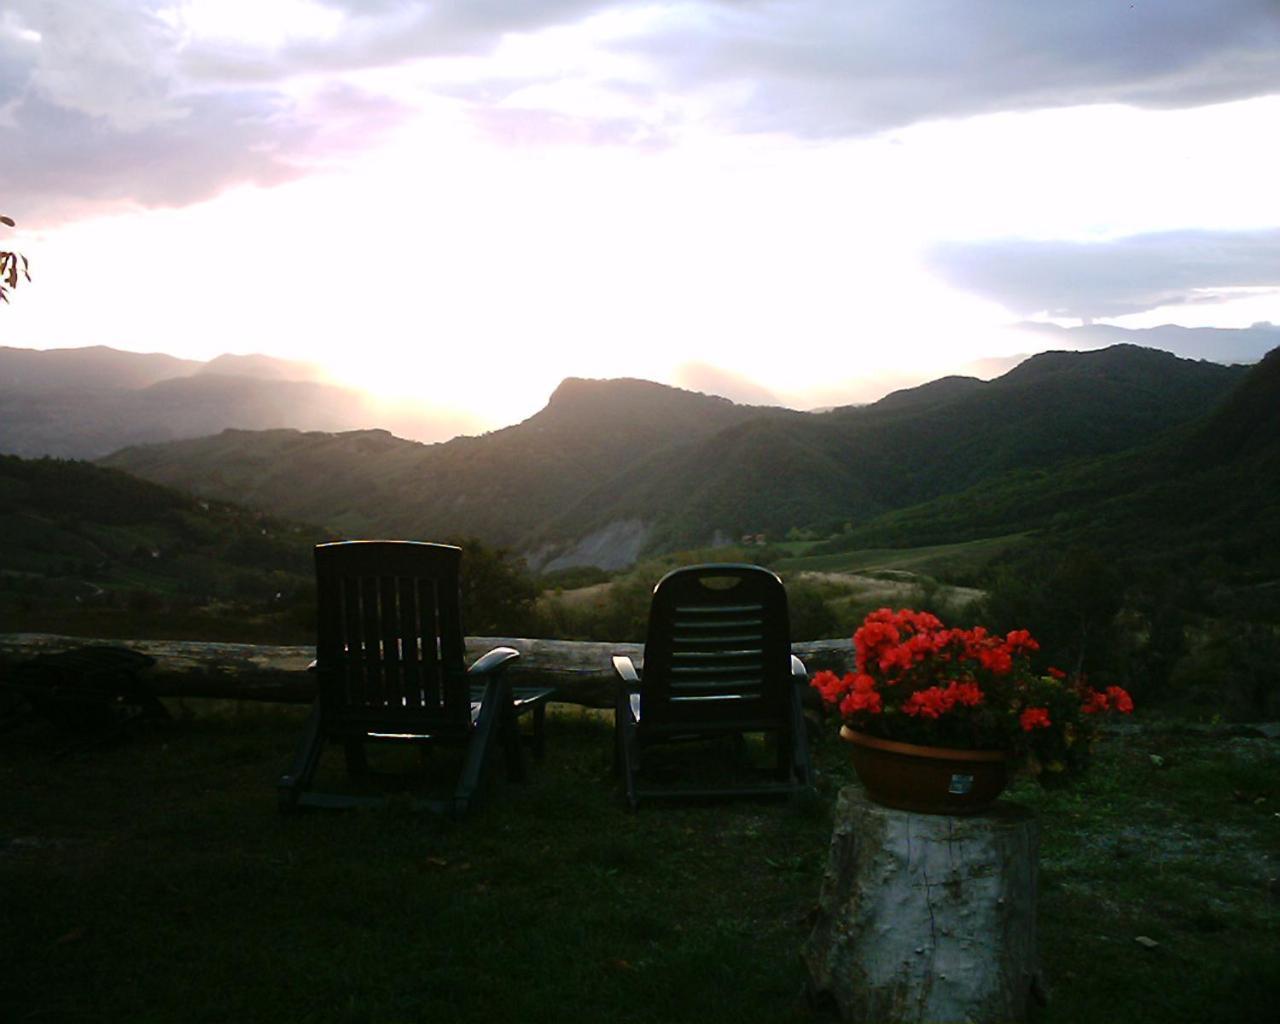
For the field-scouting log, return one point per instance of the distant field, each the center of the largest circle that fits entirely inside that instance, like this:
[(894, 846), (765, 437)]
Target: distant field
[(580, 596), (929, 560), (851, 595), (796, 548), (849, 585)]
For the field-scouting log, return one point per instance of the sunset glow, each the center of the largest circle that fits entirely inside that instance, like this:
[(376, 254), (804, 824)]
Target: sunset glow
[(463, 211)]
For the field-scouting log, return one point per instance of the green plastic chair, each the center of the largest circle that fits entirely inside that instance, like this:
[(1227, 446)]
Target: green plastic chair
[(717, 661), (389, 669)]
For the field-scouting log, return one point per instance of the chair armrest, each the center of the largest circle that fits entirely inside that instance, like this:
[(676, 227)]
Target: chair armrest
[(494, 660), (626, 670), (799, 673)]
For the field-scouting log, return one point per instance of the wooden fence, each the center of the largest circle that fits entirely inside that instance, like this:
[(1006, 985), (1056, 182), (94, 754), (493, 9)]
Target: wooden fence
[(581, 671)]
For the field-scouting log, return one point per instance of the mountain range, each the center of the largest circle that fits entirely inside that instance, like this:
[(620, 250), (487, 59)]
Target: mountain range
[(87, 402), (610, 470), (1156, 564), (1217, 344), (1198, 505)]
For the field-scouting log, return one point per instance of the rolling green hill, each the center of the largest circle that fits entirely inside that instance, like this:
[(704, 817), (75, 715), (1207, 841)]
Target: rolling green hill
[(612, 469), (499, 486), (1202, 500), (82, 544), (850, 465)]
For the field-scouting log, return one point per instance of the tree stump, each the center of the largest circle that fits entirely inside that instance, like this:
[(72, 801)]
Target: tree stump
[(926, 917)]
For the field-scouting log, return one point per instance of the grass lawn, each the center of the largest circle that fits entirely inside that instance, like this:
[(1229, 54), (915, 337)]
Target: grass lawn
[(154, 880)]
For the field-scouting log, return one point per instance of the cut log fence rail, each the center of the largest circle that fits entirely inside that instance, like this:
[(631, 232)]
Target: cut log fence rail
[(581, 671)]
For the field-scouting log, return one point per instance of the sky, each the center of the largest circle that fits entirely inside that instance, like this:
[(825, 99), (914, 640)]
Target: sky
[(793, 201)]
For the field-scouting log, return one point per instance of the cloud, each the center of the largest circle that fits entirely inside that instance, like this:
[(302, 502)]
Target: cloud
[(1108, 279), (150, 102), (822, 69), (715, 380), (58, 162), (388, 32), (138, 91), (111, 60), (813, 68), (59, 159), (93, 110)]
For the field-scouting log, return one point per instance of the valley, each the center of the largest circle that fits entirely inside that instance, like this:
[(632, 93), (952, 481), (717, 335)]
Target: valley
[(1125, 495), (612, 471)]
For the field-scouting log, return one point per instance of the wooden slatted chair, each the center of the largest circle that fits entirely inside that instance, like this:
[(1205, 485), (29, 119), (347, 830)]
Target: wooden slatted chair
[(717, 661), (389, 665)]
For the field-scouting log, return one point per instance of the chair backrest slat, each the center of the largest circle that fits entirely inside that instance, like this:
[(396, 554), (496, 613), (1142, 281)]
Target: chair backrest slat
[(429, 631), (392, 652), (457, 700), (389, 632), (350, 642), (410, 642), (371, 638)]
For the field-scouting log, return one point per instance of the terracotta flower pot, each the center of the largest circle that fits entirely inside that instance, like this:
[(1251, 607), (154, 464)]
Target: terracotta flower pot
[(929, 780)]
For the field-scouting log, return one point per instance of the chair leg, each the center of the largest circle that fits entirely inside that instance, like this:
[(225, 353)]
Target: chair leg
[(630, 765), (800, 741), (619, 760), (539, 736), (512, 745), (291, 786), (625, 753), (785, 767), (357, 761), (478, 747)]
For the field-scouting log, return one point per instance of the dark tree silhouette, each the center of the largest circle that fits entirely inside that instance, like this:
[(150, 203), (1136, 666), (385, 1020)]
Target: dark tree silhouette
[(9, 263)]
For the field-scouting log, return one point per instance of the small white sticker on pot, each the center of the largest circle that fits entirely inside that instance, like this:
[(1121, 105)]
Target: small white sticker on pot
[(961, 784)]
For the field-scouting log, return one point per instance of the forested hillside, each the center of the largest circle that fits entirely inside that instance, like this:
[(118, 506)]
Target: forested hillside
[(1158, 564), (610, 470), (95, 552), (1208, 486), (84, 545), (849, 465), (499, 487)]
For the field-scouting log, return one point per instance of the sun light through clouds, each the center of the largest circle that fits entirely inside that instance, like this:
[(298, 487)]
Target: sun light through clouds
[(253, 23), (461, 206)]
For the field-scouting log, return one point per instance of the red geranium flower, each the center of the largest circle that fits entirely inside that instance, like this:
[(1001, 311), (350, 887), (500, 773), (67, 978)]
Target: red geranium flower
[(1021, 641), (917, 681), (1119, 700), (1034, 718), (930, 703), (1095, 701)]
